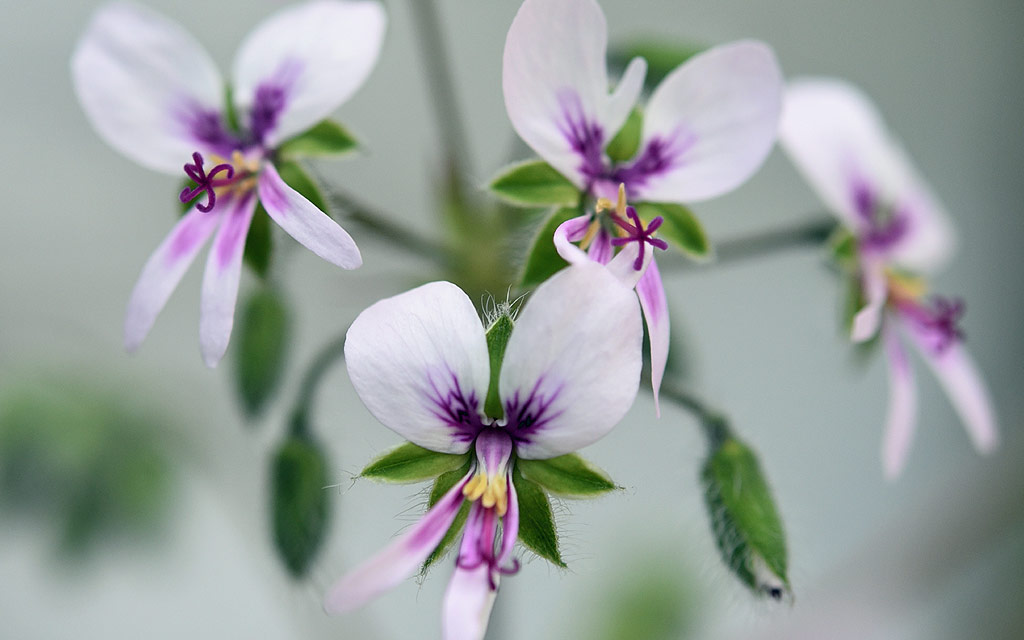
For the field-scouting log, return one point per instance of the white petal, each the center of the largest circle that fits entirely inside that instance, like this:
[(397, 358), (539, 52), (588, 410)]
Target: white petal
[(419, 363), (962, 383), (837, 139), (570, 231), (163, 272), (467, 604), (397, 561), (554, 78), (901, 418), (572, 365), (316, 54), (147, 86), (303, 221), (651, 293), (712, 122), (220, 280), (876, 290)]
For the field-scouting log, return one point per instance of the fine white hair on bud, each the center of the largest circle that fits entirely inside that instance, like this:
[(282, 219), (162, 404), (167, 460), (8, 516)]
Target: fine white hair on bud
[(493, 310)]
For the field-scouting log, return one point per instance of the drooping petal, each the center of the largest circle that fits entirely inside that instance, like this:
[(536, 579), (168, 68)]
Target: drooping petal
[(468, 601), (302, 220), (622, 265), (303, 62), (509, 523), (419, 363), (572, 365), (163, 272), (555, 82), (148, 88), (709, 125), (397, 561), (651, 292), (901, 418), (837, 139), (220, 280), (876, 289), (962, 383), (570, 231)]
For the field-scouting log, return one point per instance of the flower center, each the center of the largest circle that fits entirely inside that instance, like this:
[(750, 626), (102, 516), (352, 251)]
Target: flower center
[(939, 320), (885, 223), (239, 175), (490, 483), (635, 232)]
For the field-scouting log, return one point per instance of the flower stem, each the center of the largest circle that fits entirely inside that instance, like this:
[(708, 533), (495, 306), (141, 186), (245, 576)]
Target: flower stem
[(713, 422), (328, 355)]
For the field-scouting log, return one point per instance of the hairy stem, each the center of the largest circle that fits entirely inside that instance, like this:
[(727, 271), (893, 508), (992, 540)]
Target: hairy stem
[(713, 422)]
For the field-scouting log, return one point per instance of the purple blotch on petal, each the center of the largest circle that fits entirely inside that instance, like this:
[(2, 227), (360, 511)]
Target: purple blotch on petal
[(584, 136), (659, 156), (271, 98), (453, 407), (526, 416)]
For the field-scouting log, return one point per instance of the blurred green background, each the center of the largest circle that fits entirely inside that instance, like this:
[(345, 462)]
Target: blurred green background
[(135, 493)]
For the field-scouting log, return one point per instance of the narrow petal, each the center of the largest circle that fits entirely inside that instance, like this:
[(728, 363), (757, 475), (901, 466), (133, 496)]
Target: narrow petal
[(313, 228), (961, 381), (419, 363), (601, 249), (303, 62), (572, 365), (397, 561), (901, 419), (709, 125), (651, 292), (467, 604), (568, 232), (838, 141), (509, 523), (163, 272), (556, 84), (876, 290), (148, 88), (220, 280), (621, 266)]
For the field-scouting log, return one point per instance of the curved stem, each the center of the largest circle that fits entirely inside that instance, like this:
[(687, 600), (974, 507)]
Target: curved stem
[(713, 422), (328, 355)]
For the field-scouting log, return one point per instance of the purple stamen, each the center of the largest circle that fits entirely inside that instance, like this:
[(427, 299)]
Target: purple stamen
[(204, 182), (884, 225), (940, 321), (637, 233)]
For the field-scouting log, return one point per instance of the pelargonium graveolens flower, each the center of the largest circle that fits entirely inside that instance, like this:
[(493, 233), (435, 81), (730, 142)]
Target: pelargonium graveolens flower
[(900, 233), (420, 363), (706, 128), (153, 93)]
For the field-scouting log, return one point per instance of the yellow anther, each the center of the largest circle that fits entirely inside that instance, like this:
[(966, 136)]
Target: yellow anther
[(475, 487), (603, 204), (620, 206), (492, 492), (589, 236), (906, 287)]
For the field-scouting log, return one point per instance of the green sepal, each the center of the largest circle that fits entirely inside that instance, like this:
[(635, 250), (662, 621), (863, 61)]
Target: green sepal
[(842, 250), (853, 302), (230, 113), (627, 141), (744, 519), (534, 183), (259, 243), (680, 227), (443, 485), (296, 177), (569, 475), (261, 348), (497, 339), (536, 522), (412, 463), (542, 259), (326, 138), (662, 56), (300, 505)]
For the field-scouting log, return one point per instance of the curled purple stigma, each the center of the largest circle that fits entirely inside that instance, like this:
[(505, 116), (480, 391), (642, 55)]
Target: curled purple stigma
[(637, 233), (204, 182)]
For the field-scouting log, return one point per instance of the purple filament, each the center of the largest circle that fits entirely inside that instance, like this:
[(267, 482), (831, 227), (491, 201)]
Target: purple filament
[(204, 182), (637, 233)]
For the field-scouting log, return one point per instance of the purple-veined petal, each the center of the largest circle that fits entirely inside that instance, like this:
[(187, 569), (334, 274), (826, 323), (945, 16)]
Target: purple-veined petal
[(876, 289), (570, 231), (419, 363), (302, 220), (708, 126), (901, 418), (468, 601), (962, 383), (399, 560), (220, 280), (838, 141), (651, 292), (572, 366), (303, 62), (148, 88), (601, 249), (164, 270), (555, 82)]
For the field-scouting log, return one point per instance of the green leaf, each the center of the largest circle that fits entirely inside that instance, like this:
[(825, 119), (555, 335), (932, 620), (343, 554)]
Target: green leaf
[(680, 227), (534, 183), (662, 56), (326, 138), (497, 339), (443, 485), (261, 348), (296, 177), (542, 259), (627, 141), (259, 243), (536, 522), (412, 463), (569, 475), (744, 519), (300, 505)]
